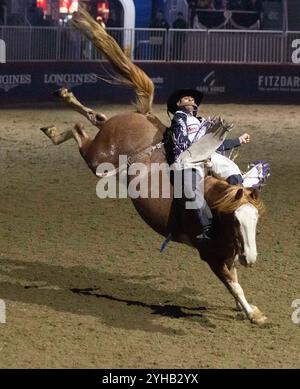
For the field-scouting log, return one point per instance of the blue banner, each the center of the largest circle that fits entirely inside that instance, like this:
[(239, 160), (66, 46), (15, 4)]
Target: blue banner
[(27, 82)]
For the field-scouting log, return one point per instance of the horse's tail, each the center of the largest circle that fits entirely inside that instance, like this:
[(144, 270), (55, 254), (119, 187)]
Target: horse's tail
[(127, 73)]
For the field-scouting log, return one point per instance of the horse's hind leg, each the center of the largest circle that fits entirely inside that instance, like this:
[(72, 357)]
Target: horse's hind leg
[(222, 272), (97, 119), (56, 137), (78, 133)]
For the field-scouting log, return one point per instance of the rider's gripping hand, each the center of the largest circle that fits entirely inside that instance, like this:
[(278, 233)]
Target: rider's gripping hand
[(244, 139)]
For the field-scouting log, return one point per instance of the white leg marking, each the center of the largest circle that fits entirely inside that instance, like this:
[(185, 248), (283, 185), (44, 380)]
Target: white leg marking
[(238, 294), (233, 272), (252, 312)]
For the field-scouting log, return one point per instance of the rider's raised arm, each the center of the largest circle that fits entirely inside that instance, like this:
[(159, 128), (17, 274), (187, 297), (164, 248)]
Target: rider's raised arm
[(229, 144), (179, 134)]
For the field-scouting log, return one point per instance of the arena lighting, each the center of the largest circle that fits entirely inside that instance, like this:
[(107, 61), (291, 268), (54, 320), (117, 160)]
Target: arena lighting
[(64, 6), (103, 9), (42, 4), (68, 6), (74, 6)]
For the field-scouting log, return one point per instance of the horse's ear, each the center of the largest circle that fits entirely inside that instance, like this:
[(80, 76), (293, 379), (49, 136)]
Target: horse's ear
[(254, 194), (239, 194)]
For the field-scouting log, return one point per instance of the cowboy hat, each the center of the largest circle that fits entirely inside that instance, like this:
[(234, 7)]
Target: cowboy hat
[(178, 94)]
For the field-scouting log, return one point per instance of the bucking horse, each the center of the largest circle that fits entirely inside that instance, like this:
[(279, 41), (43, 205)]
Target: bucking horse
[(139, 136)]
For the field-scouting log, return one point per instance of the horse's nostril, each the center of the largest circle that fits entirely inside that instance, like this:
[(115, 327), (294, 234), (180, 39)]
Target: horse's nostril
[(243, 260)]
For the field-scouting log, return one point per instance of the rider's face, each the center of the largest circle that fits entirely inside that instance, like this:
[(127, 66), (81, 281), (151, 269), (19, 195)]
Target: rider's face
[(188, 102)]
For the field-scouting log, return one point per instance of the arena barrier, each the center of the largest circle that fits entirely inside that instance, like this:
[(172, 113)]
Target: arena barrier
[(27, 82), (58, 44)]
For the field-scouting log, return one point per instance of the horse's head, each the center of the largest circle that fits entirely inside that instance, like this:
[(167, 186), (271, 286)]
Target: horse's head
[(246, 217), (244, 206)]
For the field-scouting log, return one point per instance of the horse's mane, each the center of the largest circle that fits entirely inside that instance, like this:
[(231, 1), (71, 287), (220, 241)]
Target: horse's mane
[(126, 73), (228, 198)]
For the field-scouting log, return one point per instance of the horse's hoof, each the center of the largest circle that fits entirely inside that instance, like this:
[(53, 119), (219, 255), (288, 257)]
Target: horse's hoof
[(49, 131), (257, 317), (62, 93), (58, 92)]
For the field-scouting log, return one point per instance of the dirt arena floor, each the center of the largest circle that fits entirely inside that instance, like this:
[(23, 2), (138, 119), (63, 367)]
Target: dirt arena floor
[(83, 280)]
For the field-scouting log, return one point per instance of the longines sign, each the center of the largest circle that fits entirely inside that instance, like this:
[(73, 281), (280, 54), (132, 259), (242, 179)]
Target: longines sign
[(10, 81), (70, 80)]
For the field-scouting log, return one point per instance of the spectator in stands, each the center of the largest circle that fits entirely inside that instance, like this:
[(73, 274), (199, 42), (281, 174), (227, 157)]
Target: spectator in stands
[(35, 15), (192, 6), (157, 39), (2, 11), (179, 37), (159, 21), (112, 20), (180, 22)]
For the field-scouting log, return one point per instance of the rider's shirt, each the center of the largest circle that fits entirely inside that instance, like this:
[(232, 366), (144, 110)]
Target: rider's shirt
[(195, 128), (186, 129)]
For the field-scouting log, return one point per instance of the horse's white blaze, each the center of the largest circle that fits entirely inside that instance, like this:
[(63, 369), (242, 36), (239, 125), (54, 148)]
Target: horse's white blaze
[(247, 215)]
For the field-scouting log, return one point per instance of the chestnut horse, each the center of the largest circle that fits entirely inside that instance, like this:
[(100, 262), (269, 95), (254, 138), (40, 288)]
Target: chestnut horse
[(235, 209)]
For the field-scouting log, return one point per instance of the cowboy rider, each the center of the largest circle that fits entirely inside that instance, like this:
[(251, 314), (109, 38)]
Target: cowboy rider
[(185, 129)]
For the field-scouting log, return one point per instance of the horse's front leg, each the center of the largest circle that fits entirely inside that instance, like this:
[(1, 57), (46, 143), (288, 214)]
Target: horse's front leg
[(222, 272), (233, 272), (97, 119)]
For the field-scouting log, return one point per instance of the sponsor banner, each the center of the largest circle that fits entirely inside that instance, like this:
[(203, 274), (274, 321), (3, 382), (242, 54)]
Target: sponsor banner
[(210, 84), (278, 83), (10, 81), (70, 80), (25, 82), (228, 83)]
